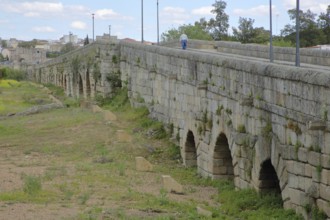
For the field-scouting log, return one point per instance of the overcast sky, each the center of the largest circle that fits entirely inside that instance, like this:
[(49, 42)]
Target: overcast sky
[(51, 19)]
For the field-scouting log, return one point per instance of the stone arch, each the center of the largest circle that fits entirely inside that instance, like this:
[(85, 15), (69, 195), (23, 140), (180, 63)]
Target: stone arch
[(222, 160), (268, 179), (190, 151)]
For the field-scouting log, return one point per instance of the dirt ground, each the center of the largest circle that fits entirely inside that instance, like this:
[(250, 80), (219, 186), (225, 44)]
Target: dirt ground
[(68, 174)]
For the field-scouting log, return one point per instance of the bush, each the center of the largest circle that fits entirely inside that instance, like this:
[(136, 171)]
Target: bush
[(32, 185), (9, 73)]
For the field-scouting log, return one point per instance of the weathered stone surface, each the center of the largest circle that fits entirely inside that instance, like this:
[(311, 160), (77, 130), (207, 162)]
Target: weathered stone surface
[(324, 206), (172, 185), (142, 164), (314, 158), (325, 192), (302, 154), (298, 197)]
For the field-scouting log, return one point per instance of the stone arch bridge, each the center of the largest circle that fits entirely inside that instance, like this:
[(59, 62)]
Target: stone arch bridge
[(235, 115)]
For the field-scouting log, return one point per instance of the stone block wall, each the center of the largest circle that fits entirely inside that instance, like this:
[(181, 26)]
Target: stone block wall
[(264, 125), (83, 73)]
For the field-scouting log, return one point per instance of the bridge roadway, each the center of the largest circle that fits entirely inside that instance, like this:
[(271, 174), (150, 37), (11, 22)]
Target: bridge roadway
[(244, 58)]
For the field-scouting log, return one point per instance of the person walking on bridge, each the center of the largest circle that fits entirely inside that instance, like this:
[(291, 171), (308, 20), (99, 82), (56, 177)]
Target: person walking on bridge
[(184, 40)]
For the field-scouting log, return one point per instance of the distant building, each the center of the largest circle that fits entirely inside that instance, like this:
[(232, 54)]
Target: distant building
[(25, 55), (69, 39), (104, 37), (12, 42)]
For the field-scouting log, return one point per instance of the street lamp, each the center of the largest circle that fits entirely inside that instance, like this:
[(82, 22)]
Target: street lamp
[(142, 40), (271, 54), (109, 30), (297, 35), (157, 22), (93, 25)]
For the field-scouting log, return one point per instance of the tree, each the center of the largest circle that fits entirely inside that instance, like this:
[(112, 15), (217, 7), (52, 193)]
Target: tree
[(324, 24), (261, 36), (245, 32), (219, 26), (4, 44), (196, 32), (28, 44), (86, 41), (310, 33)]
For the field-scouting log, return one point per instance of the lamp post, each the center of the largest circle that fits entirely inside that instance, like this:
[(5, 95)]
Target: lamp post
[(271, 54), (109, 30), (157, 23), (297, 35), (93, 25), (142, 40)]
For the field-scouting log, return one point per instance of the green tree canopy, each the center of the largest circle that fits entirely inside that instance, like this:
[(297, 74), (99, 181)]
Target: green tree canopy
[(245, 32), (28, 44), (311, 32), (86, 41), (324, 24), (196, 32), (4, 43), (218, 27)]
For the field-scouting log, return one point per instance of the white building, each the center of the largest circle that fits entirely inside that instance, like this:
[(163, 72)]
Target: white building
[(69, 39)]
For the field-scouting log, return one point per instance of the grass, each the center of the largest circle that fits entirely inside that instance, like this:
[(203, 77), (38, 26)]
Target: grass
[(86, 169), (18, 96)]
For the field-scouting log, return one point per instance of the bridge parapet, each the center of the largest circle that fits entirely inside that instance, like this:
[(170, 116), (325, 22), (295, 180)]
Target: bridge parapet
[(287, 54)]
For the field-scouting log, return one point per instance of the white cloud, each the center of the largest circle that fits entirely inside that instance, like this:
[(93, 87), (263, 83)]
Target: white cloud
[(79, 25), (32, 9), (315, 6), (32, 14), (107, 14), (4, 21), (45, 29), (260, 10), (173, 15), (42, 7), (203, 11)]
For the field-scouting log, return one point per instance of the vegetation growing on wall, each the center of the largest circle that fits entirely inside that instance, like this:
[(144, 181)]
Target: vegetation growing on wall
[(114, 79), (75, 65)]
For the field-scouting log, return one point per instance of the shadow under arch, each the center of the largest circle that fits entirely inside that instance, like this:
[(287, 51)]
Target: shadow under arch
[(190, 159), (81, 86), (268, 179), (222, 160), (64, 83), (88, 84)]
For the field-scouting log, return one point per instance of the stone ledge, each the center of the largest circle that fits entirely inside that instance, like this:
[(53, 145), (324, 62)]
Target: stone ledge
[(316, 125), (171, 185), (143, 165)]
